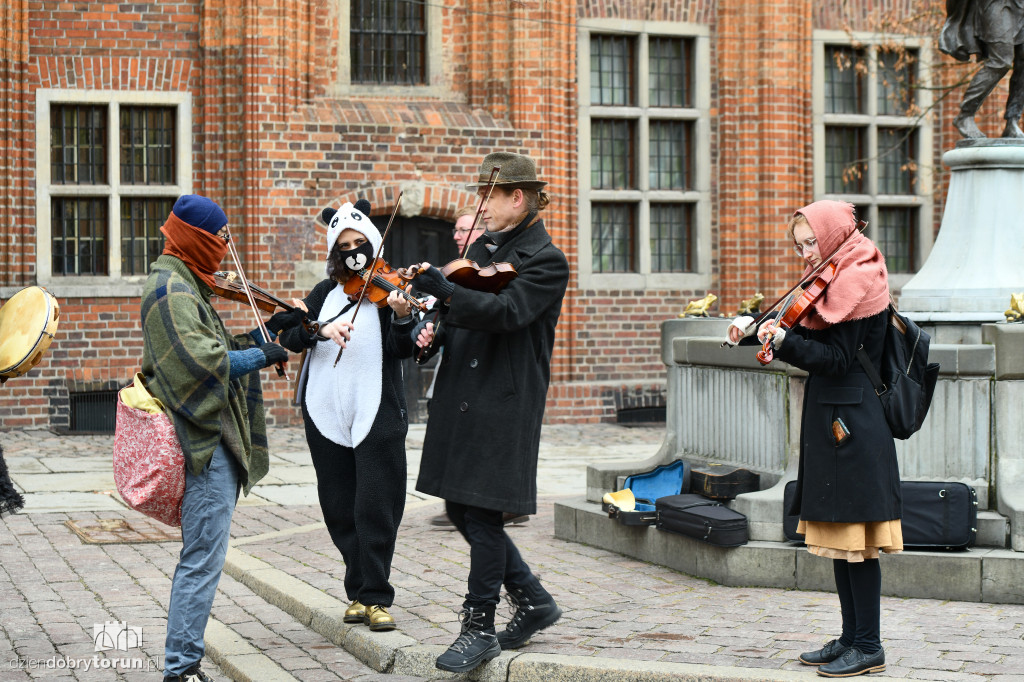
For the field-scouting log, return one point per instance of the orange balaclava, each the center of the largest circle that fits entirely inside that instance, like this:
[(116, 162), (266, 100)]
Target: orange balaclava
[(190, 233)]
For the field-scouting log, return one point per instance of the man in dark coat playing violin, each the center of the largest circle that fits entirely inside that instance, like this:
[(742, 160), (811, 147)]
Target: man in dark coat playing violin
[(483, 431)]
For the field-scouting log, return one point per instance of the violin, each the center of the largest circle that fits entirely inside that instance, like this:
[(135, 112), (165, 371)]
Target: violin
[(385, 279), (490, 278), (797, 307), (806, 299), (228, 285)]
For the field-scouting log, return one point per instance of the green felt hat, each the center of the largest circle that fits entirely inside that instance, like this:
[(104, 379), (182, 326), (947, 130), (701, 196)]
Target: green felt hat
[(516, 171)]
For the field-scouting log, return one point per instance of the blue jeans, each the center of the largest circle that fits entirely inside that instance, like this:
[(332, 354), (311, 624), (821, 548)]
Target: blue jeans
[(205, 528)]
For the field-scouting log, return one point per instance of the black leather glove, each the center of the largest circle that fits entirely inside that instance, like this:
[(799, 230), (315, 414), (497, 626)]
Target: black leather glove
[(432, 282), (274, 353), (286, 319)]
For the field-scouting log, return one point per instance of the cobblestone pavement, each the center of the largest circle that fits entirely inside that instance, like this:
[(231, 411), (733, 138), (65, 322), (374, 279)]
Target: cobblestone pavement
[(619, 612)]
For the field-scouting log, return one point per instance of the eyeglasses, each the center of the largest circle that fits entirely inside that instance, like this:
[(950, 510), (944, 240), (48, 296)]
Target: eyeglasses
[(806, 246), (467, 230)]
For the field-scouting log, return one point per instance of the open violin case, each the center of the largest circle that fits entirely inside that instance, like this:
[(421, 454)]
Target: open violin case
[(647, 487)]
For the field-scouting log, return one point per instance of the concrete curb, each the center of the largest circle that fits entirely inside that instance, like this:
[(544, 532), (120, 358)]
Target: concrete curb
[(239, 659), (399, 654)]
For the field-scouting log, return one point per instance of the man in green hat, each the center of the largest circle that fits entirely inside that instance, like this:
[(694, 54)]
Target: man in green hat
[(493, 379)]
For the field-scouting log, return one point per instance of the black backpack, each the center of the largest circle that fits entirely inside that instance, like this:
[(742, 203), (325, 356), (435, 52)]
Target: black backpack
[(907, 379)]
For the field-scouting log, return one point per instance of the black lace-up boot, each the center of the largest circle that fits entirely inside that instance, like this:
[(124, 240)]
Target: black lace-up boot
[(533, 609), (477, 644)]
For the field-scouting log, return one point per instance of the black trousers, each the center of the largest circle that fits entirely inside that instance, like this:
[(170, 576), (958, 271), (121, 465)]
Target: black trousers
[(859, 586), (362, 495), (493, 558)]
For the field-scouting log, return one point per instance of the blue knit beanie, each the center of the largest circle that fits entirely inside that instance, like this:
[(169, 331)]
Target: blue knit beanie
[(200, 212)]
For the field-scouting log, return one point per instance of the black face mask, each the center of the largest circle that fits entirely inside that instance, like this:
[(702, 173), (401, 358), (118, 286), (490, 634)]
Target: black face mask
[(358, 258)]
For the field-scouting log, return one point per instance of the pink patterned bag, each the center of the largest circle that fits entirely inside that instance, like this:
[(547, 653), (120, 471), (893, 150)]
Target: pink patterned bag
[(149, 467)]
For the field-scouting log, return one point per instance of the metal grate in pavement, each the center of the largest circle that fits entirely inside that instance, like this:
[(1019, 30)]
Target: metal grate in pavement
[(122, 531)]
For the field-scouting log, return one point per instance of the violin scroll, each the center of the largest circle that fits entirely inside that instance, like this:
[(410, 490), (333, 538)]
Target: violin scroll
[(228, 284)]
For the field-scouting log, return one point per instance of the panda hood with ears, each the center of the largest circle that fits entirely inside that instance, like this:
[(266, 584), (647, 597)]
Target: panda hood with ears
[(352, 217)]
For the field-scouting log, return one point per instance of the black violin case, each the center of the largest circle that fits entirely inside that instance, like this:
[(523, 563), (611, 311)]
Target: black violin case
[(939, 515), (698, 517), (789, 521), (722, 482), (936, 515), (649, 486)]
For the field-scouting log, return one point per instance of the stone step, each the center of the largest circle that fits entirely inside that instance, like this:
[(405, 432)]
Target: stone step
[(981, 574), (993, 529)]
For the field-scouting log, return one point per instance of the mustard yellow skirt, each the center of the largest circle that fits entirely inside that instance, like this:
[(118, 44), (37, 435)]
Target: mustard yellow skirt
[(853, 542)]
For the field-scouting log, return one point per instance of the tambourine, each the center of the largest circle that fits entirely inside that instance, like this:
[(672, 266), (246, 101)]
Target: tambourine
[(28, 323)]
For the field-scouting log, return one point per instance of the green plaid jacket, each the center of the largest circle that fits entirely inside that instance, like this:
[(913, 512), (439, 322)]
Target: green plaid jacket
[(185, 360)]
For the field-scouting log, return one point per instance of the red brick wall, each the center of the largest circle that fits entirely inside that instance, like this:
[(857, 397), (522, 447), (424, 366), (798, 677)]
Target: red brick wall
[(764, 141), (63, 45), (274, 143)]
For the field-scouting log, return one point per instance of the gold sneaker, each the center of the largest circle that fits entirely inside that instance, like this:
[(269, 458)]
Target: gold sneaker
[(355, 613), (378, 618)]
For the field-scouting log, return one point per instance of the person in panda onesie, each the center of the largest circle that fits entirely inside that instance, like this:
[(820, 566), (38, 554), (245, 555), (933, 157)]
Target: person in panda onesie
[(355, 413)]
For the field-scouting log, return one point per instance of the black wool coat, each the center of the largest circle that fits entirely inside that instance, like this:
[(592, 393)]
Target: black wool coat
[(856, 480), (483, 429)]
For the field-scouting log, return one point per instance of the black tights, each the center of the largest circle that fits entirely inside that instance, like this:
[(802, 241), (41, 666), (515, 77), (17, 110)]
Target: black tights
[(860, 594)]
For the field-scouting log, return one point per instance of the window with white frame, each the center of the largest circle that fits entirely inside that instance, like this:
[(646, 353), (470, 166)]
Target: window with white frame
[(390, 46), (873, 144), (109, 168), (644, 154)]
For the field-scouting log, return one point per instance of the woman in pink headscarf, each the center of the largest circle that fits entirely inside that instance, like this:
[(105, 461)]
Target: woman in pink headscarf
[(848, 488)]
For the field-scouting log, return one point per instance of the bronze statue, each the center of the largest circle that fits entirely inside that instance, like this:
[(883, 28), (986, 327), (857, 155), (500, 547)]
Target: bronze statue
[(1015, 313), (699, 308), (751, 306), (994, 31)]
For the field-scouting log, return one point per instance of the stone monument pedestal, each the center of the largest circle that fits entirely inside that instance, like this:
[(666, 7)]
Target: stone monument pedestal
[(978, 257)]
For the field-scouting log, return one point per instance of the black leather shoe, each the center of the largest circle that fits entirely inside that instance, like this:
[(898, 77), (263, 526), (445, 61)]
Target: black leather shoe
[(825, 654), (853, 662)]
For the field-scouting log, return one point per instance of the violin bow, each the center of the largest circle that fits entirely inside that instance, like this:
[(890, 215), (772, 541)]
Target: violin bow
[(252, 299), (373, 270), (861, 226), (491, 181)]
